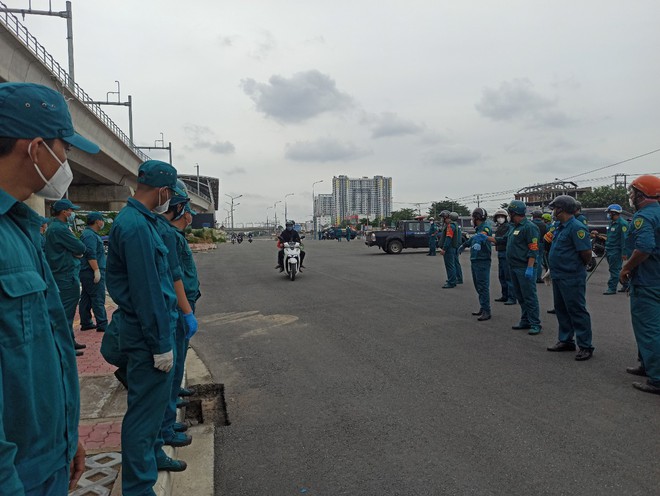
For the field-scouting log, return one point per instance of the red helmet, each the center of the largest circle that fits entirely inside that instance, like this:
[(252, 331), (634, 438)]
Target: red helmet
[(648, 185)]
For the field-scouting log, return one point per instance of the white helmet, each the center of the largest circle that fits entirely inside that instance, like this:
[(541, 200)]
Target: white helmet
[(501, 212)]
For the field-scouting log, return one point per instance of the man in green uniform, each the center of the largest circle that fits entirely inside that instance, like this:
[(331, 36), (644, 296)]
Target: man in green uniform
[(522, 250), (92, 276), (453, 216), (63, 253), (502, 228), (579, 216), (642, 272), (180, 216), (140, 283), (569, 253), (433, 237), (185, 320), (480, 250), (537, 219), (615, 244), (39, 397), (449, 250)]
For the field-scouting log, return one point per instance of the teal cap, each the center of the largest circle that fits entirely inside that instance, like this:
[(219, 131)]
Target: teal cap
[(178, 198), (94, 216), (158, 174), (517, 207), (29, 111), (64, 204)]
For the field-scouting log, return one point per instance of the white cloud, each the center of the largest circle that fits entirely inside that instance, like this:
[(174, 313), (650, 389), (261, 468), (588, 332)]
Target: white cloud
[(517, 100), (299, 98), (389, 124)]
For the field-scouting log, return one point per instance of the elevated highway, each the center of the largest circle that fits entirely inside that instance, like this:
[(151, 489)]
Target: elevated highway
[(100, 182)]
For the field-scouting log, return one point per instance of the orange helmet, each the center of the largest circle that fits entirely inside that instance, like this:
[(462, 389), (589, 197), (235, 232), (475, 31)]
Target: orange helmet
[(648, 185)]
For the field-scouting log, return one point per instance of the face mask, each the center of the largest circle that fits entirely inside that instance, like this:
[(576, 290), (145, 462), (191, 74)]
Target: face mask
[(289, 228), (161, 209), (609, 216), (101, 226), (472, 222), (501, 220), (71, 217), (54, 188), (183, 211)]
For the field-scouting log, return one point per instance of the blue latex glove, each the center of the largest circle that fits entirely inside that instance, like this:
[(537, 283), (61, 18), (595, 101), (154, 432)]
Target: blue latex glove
[(191, 324), (476, 247), (530, 273), (479, 238)]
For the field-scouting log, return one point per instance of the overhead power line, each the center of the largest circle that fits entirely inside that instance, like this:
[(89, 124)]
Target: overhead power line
[(612, 165)]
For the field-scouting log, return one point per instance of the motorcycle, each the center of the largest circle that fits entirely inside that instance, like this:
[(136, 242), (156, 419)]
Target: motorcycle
[(233, 240), (597, 250), (249, 238), (291, 257), (239, 239)]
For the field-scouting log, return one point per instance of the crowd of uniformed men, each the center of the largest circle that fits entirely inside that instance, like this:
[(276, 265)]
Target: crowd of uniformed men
[(151, 276), (149, 273), (557, 247)]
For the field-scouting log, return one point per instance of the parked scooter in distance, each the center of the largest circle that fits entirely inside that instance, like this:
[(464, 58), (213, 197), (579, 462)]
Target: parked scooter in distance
[(291, 257)]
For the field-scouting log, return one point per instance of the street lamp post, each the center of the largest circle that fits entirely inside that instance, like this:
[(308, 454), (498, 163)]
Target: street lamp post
[(232, 208), (286, 213), (314, 234), (452, 202)]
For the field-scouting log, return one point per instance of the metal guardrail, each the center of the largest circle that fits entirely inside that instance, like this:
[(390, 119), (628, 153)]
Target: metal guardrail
[(14, 26)]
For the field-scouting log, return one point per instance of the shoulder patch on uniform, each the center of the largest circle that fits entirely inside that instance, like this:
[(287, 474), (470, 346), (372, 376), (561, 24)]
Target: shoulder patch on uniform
[(638, 222), (581, 234), (624, 228)]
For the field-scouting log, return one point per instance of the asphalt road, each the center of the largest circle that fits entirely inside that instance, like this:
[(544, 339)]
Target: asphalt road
[(364, 377)]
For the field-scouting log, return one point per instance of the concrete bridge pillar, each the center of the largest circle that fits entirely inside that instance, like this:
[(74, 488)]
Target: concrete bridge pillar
[(100, 197)]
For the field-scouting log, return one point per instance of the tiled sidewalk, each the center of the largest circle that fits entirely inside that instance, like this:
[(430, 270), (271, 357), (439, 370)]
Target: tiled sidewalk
[(102, 405)]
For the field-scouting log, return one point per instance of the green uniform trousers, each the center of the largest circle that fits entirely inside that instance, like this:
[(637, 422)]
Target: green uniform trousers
[(70, 296), (645, 314)]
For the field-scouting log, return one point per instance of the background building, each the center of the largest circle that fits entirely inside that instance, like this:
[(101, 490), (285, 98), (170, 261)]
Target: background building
[(362, 197)]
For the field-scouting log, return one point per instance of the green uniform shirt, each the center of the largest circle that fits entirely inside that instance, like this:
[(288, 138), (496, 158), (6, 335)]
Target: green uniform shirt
[(522, 243), (451, 236), (168, 234), (63, 251), (188, 268), (94, 249), (138, 279), (39, 396), (616, 237), (644, 235), (485, 251)]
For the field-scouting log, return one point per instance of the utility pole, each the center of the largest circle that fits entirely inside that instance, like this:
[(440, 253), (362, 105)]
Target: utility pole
[(162, 147), (197, 166), (65, 14), (232, 208), (478, 203), (128, 103)]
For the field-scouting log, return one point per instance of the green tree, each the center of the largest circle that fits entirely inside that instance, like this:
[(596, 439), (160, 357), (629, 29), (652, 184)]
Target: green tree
[(437, 207), (604, 196)]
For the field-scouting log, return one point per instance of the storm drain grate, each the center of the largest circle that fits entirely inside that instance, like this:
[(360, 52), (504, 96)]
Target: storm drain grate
[(208, 405)]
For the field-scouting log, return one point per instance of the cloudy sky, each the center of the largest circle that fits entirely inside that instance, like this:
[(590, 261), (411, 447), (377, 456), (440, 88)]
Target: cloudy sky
[(449, 98)]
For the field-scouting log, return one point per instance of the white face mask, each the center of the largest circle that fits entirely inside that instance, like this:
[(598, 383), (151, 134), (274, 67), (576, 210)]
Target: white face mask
[(161, 209), (501, 220), (56, 187)]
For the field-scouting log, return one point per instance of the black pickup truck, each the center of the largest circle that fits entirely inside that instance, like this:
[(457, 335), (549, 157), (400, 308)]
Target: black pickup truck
[(408, 234)]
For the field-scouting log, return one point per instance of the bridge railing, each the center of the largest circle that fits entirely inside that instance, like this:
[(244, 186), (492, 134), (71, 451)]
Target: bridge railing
[(14, 26)]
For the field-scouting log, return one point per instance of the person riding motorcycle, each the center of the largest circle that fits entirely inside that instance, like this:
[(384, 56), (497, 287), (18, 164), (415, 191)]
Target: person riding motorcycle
[(289, 234)]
